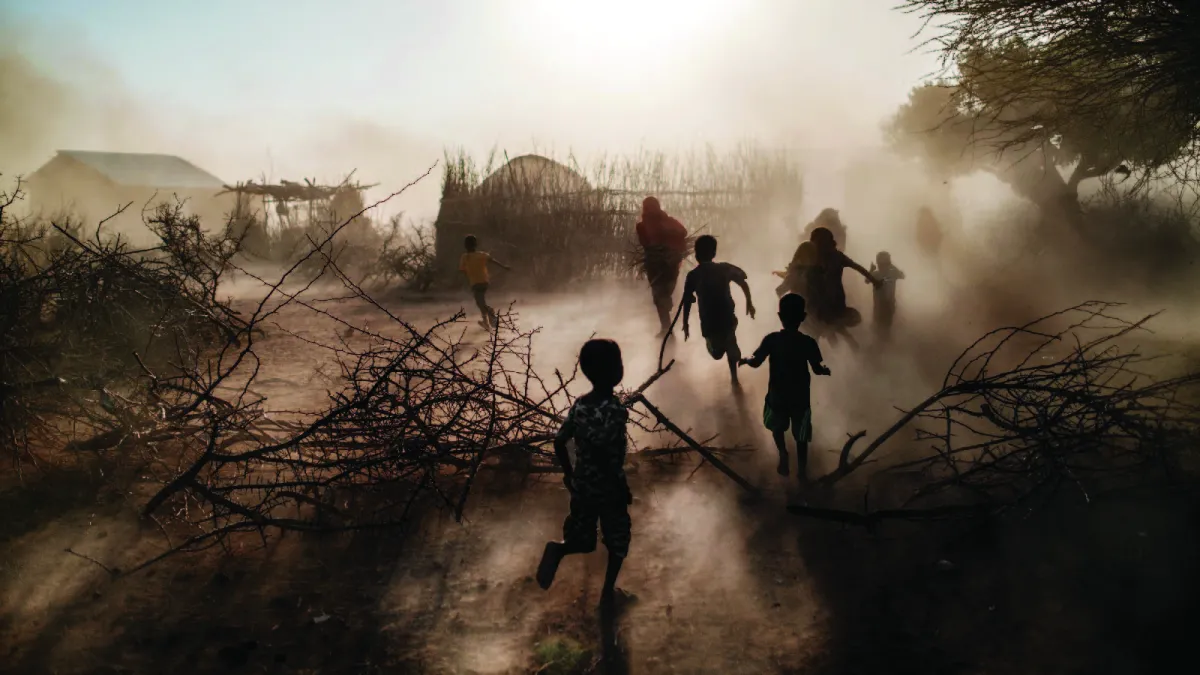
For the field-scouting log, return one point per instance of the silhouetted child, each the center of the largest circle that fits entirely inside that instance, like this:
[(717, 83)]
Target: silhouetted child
[(599, 491), (708, 286), (884, 309), (474, 264), (790, 353)]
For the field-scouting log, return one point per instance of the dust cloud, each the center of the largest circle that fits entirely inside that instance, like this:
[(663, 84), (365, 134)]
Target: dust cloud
[(804, 101)]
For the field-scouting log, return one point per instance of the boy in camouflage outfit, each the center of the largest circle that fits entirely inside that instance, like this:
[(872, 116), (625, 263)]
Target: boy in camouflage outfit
[(599, 491)]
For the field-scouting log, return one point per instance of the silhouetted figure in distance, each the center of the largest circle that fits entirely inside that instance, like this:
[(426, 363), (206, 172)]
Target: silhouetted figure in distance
[(664, 246), (884, 296), (788, 403), (474, 264), (708, 286), (597, 484)]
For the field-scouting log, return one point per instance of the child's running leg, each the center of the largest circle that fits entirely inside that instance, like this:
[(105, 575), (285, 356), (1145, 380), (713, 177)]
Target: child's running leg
[(802, 434), (617, 528), (733, 354), (579, 536), (480, 293), (781, 446)]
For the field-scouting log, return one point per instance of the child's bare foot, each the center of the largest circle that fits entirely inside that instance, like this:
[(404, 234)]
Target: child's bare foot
[(551, 557), (615, 599)]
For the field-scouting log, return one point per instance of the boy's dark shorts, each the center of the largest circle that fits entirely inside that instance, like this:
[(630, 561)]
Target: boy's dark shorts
[(719, 343), (579, 529), (797, 417)]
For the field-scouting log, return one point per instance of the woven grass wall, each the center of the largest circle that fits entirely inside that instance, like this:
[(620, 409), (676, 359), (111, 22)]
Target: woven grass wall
[(557, 222)]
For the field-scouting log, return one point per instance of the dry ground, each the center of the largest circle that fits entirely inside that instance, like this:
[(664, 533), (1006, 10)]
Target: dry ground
[(722, 584)]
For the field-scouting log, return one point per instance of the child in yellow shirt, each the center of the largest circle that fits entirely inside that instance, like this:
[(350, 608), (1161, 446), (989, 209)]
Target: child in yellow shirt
[(474, 264)]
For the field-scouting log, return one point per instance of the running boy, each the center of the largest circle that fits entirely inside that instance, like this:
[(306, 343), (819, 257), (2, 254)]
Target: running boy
[(708, 285), (791, 353), (599, 491), (474, 264), (884, 308)]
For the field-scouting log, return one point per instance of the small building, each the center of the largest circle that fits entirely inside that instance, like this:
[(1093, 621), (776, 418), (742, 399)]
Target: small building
[(92, 186)]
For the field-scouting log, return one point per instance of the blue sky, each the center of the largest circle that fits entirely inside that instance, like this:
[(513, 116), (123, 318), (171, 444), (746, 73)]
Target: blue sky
[(319, 87)]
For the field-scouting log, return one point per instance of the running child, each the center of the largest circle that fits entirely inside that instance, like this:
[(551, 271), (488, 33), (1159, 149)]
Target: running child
[(788, 404), (708, 286), (474, 264), (596, 481), (884, 309), (827, 295)]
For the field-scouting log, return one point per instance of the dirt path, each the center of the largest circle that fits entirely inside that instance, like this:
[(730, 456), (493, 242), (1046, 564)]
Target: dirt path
[(722, 585)]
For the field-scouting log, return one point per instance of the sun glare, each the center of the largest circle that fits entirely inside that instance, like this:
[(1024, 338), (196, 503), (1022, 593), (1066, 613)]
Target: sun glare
[(595, 37)]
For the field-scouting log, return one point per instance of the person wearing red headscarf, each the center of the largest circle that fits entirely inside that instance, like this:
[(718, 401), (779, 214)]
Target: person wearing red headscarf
[(664, 246)]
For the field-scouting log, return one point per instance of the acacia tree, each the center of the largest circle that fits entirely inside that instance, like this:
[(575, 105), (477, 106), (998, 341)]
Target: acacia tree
[(1135, 60), (1085, 86), (1002, 111)]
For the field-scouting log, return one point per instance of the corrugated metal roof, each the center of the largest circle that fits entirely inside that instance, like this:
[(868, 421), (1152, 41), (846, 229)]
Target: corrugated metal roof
[(140, 170)]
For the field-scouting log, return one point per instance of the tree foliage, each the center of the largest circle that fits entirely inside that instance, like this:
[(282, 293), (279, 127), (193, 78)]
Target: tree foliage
[(1114, 66), (992, 114)]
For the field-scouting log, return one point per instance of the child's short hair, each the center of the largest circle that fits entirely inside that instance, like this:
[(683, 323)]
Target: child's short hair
[(792, 310), (600, 361), (706, 247), (470, 243), (823, 238), (883, 258)]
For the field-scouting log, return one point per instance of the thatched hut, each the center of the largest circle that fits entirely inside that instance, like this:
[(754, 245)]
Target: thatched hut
[(556, 226)]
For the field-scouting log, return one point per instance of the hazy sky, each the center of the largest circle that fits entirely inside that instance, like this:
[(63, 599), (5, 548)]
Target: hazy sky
[(307, 87)]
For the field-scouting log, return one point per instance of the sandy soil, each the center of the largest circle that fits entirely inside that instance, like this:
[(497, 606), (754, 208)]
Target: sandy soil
[(722, 584)]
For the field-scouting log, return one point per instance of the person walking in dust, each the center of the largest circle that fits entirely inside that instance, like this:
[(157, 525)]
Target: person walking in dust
[(596, 481), (708, 286), (474, 264), (664, 246), (884, 308)]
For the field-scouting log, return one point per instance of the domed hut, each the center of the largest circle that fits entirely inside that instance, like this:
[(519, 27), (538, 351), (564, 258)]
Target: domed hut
[(540, 216)]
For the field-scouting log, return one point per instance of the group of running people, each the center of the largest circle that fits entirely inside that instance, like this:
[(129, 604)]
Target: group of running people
[(814, 273)]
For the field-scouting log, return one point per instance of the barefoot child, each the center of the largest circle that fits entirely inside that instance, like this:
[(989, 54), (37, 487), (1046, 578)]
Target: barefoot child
[(599, 491), (884, 309), (708, 286), (474, 264), (790, 353)]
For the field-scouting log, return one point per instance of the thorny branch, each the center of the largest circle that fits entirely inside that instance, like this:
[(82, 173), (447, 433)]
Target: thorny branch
[(1062, 401)]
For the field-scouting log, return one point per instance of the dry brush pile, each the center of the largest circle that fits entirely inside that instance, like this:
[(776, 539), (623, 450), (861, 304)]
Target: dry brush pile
[(1064, 402), (416, 413)]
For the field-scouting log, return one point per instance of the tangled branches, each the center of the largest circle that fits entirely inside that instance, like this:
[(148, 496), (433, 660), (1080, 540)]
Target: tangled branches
[(80, 314), (1025, 411)]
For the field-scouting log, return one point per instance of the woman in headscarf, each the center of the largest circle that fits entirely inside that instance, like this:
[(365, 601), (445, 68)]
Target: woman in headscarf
[(831, 220), (664, 246)]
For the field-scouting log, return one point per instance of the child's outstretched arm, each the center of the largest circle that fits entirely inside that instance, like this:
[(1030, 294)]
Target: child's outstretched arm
[(863, 271), (741, 282), (817, 361), (499, 264), (760, 355)]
